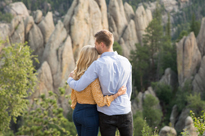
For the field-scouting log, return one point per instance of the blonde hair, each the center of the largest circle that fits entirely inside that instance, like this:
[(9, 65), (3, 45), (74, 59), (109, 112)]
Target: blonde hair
[(88, 54)]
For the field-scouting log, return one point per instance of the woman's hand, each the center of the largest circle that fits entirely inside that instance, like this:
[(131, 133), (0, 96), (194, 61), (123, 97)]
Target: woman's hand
[(71, 74), (122, 90)]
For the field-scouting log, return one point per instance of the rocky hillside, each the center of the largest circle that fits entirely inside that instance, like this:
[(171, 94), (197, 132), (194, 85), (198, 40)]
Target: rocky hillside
[(58, 45), (181, 12)]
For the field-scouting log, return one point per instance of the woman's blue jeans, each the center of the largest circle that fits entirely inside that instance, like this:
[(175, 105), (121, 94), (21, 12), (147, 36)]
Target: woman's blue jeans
[(86, 120)]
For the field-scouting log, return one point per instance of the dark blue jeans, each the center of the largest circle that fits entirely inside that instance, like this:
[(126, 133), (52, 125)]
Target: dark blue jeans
[(86, 120), (109, 124)]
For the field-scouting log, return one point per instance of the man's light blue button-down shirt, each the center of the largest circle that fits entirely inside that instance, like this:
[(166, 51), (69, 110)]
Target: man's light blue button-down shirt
[(113, 71)]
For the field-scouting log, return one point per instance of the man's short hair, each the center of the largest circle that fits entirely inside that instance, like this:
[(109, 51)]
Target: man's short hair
[(104, 36)]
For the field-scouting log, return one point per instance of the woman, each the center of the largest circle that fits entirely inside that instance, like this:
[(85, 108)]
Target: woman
[(85, 115)]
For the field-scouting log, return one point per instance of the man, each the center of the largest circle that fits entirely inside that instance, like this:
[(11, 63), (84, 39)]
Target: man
[(113, 72)]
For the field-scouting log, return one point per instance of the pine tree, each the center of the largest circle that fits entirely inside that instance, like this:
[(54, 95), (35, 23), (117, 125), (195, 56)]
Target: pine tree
[(181, 35), (157, 13), (168, 51), (143, 71), (47, 119), (17, 77), (140, 63), (168, 28), (195, 25), (192, 26), (153, 39)]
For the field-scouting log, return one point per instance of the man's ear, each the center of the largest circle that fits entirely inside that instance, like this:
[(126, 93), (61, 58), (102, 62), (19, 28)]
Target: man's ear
[(102, 44)]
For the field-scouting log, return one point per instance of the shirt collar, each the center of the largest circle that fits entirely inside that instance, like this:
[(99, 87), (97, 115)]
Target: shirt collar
[(109, 54)]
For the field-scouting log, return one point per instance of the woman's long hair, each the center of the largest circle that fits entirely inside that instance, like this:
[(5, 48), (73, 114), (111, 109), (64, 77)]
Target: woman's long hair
[(88, 54)]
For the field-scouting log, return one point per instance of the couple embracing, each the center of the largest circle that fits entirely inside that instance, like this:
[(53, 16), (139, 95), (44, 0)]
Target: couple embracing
[(101, 90)]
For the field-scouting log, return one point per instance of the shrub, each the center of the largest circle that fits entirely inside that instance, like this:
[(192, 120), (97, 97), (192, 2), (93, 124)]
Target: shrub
[(46, 119), (181, 95), (195, 103), (150, 111), (164, 92), (139, 123), (146, 130), (199, 122)]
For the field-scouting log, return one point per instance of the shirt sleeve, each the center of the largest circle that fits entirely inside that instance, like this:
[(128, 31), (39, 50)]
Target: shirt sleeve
[(74, 99), (98, 96), (129, 85), (87, 78)]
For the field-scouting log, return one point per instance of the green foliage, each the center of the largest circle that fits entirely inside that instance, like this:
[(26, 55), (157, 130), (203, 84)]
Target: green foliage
[(195, 26), (181, 30), (140, 63), (168, 56), (149, 63), (181, 95), (167, 52), (138, 126), (185, 28), (139, 123), (157, 53), (153, 38), (182, 34), (155, 133), (153, 41), (168, 28), (117, 47), (8, 133), (141, 126), (184, 17), (17, 77), (45, 117), (164, 93), (146, 130), (7, 17), (195, 103), (135, 3), (185, 133), (199, 122), (117, 133), (150, 111), (157, 13), (61, 6)]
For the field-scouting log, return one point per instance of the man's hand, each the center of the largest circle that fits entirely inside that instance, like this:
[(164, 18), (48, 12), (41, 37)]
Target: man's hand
[(71, 74)]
